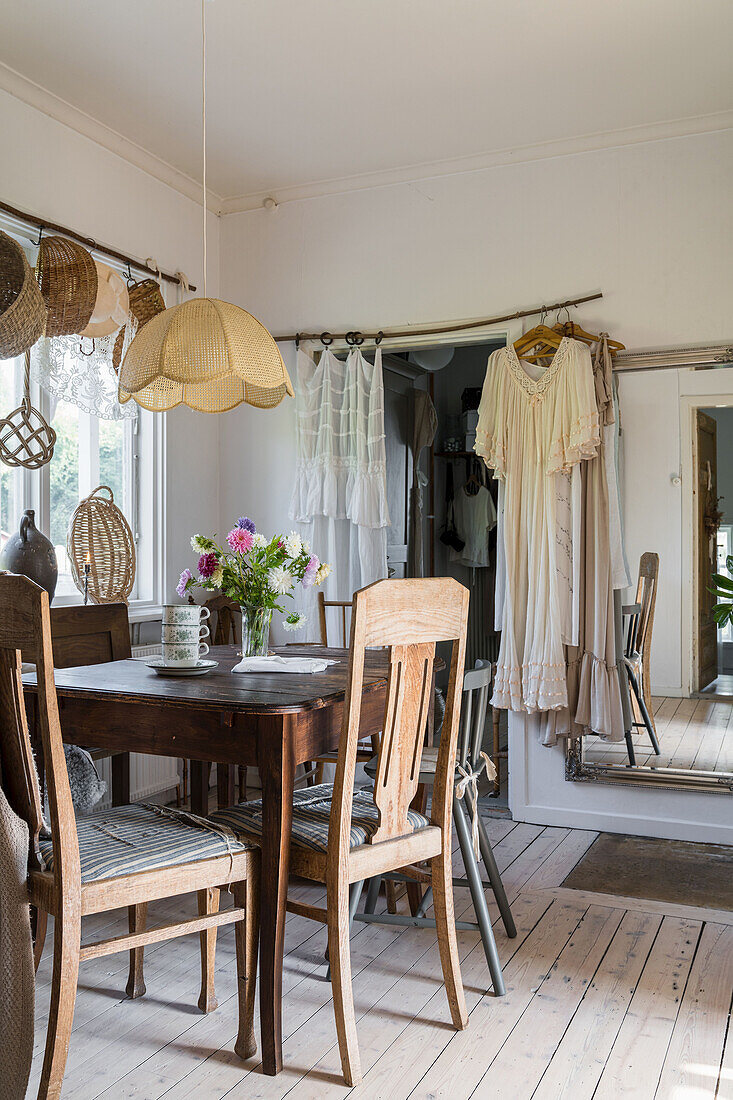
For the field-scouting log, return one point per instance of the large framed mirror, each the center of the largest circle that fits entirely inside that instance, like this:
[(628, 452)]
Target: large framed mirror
[(678, 485)]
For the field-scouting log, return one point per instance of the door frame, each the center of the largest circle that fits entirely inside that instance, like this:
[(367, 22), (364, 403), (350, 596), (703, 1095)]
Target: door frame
[(689, 406)]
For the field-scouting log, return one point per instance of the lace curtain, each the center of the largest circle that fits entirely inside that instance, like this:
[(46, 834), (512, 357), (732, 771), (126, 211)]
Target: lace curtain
[(80, 370), (340, 491)]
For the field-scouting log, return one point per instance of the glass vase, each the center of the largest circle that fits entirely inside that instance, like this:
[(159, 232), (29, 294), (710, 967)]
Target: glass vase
[(255, 630)]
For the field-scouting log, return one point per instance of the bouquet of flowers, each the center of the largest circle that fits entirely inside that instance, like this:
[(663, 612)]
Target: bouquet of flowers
[(257, 573)]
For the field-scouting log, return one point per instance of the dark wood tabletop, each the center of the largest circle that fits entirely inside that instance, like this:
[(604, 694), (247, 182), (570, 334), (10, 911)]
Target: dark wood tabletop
[(242, 693)]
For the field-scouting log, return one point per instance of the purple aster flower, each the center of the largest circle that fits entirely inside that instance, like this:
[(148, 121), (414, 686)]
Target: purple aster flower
[(207, 565), (309, 577), (182, 585), (247, 524), (240, 540)]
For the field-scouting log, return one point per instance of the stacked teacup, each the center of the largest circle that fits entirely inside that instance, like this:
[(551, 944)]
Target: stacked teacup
[(183, 632)]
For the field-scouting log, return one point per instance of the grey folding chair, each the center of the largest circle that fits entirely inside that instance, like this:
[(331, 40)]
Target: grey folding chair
[(472, 836)]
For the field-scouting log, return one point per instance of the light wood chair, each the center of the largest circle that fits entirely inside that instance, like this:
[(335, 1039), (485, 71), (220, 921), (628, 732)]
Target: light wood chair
[(90, 634), (341, 837), (637, 655), (473, 839), (125, 857)]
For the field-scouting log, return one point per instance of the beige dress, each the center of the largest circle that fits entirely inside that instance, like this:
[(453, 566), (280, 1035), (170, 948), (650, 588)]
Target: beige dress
[(531, 429)]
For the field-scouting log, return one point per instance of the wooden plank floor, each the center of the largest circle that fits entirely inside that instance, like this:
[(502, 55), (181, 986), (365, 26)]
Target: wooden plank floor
[(692, 733), (607, 997)]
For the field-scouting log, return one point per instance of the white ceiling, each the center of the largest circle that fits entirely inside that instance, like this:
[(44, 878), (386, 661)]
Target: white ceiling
[(301, 92)]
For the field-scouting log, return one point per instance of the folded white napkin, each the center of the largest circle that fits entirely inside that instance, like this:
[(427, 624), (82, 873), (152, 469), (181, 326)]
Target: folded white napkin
[(283, 664)]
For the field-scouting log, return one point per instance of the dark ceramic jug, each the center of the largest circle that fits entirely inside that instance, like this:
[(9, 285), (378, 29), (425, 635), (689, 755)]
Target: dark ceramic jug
[(32, 554)]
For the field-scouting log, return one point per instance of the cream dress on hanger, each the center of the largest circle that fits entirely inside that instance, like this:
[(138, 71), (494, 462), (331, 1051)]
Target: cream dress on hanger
[(530, 429)]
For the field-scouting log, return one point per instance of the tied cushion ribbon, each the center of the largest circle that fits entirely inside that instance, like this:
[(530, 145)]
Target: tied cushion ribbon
[(470, 778)]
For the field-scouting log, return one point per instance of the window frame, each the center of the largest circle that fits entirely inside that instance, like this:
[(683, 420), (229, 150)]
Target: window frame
[(144, 475)]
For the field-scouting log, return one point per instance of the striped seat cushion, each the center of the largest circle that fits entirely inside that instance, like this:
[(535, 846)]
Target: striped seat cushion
[(128, 839), (311, 811)]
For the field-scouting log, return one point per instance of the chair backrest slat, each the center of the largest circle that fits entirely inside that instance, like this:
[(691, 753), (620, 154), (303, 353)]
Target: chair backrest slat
[(646, 596), (409, 694), (476, 687), (17, 769), (407, 617), (227, 628), (25, 626)]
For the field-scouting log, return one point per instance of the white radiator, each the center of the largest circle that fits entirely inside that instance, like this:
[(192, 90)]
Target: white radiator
[(149, 775)]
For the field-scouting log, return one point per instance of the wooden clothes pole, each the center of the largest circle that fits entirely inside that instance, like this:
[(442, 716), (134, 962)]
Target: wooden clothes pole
[(357, 337), (89, 242)]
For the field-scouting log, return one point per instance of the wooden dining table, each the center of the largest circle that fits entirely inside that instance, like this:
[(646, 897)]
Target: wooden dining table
[(273, 721)]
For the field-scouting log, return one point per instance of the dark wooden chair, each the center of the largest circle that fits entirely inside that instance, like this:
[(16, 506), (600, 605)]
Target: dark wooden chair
[(637, 655), (92, 635), (144, 856)]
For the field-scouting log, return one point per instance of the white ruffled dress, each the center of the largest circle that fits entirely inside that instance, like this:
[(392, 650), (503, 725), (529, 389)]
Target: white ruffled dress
[(530, 430)]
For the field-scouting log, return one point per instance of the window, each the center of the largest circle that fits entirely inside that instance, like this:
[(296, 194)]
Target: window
[(88, 452)]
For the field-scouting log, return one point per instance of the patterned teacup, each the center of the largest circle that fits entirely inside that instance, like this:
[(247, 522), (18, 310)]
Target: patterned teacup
[(184, 614), (183, 654), (173, 632)]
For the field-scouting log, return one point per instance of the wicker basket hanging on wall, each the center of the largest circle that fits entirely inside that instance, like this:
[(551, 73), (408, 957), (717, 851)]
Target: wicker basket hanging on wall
[(145, 302), (22, 312), (98, 528), (67, 276)]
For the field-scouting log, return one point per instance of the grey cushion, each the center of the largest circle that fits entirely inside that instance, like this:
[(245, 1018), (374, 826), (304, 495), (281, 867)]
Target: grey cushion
[(311, 811), (128, 839)]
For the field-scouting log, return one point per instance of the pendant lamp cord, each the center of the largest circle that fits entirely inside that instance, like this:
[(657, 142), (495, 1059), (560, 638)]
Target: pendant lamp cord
[(203, 122)]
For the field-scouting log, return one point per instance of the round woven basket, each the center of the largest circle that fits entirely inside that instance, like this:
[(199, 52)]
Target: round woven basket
[(145, 302), (22, 312), (99, 529), (67, 276)]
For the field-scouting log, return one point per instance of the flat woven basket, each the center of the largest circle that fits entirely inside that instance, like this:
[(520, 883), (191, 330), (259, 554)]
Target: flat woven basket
[(67, 276), (22, 312), (98, 528), (145, 302)]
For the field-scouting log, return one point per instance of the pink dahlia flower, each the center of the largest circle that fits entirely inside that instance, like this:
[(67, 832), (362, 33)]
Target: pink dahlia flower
[(240, 540)]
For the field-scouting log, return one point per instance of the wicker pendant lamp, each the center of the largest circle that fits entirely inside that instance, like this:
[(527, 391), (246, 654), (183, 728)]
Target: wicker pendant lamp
[(204, 353)]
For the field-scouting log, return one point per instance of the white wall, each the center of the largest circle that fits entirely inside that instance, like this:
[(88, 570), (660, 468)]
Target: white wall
[(650, 224), (53, 171)]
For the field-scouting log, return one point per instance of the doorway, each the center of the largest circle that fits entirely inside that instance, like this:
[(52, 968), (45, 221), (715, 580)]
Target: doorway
[(714, 536)]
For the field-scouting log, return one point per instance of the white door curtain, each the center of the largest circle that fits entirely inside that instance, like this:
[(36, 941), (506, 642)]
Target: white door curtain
[(340, 490)]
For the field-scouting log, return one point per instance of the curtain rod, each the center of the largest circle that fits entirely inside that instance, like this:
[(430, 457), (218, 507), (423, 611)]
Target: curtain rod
[(356, 337), (41, 223)]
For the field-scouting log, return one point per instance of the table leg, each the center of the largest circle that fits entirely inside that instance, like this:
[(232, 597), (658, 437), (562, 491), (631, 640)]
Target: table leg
[(225, 789), (276, 763), (200, 787), (120, 764)]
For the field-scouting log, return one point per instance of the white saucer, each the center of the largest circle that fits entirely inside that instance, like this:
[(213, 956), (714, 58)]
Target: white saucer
[(199, 669)]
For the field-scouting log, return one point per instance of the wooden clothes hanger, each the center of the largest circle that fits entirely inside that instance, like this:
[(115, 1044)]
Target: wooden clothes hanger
[(539, 342), (575, 332), (472, 484)]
